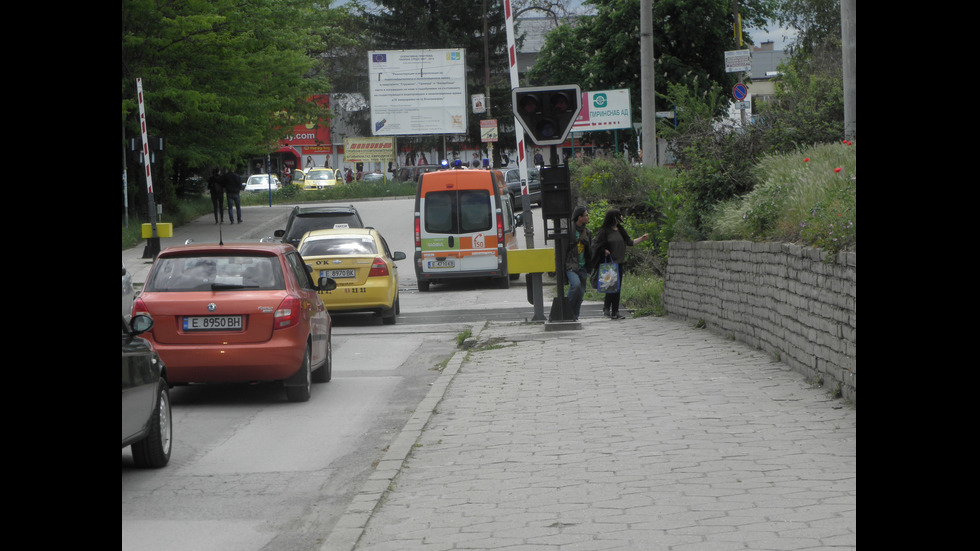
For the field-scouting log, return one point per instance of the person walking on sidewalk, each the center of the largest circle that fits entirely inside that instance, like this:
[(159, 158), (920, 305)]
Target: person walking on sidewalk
[(233, 187), (217, 189), (611, 240), (578, 260)]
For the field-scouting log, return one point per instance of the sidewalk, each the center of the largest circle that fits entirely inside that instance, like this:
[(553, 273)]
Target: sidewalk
[(640, 434)]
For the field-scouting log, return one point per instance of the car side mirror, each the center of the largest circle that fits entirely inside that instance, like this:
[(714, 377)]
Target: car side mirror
[(279, 233), (326, 284), (398, 255), (519, 219), (140, 323)]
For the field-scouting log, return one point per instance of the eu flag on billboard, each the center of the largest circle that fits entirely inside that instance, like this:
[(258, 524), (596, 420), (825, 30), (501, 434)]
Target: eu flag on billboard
[(379, 58)]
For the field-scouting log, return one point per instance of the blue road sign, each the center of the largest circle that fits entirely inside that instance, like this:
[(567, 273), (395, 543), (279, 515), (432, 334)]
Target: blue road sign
[(740, 91)]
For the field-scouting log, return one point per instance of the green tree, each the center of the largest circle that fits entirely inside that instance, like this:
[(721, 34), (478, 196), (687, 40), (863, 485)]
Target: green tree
[(220, 77), (441, 24), (562, 60), (808, 103), (715, 160), (602, 51), (807, 107), (816, 22)]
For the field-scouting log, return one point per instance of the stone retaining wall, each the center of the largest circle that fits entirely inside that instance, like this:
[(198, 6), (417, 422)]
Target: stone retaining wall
[(778, 297)]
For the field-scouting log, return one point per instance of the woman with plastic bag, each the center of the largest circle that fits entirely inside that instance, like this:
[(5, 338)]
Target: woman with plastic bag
[(609, 254)]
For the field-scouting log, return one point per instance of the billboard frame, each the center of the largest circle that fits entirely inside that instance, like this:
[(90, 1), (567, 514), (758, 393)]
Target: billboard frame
[(416, 92)]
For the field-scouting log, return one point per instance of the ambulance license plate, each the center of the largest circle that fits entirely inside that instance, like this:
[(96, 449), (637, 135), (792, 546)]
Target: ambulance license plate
[(441, 264)]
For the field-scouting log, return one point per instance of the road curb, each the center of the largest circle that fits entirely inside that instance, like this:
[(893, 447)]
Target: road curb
[(351, 525)]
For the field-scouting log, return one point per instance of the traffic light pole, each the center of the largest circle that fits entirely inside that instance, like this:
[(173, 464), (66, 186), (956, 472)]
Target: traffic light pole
[(547, 114), (561, 309)]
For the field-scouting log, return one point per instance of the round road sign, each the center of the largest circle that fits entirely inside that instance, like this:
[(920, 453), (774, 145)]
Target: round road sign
[(740, 91)]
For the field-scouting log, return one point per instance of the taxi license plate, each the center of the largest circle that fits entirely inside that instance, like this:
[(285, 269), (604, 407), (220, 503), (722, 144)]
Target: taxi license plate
[(336, 273), (213, 323), (441, 264)]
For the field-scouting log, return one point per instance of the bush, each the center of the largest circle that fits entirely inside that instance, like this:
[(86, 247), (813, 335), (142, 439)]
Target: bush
[(652, 201), (609, 178), (808, 197)]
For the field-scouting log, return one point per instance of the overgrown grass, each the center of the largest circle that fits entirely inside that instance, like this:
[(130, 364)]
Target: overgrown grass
[(808, 198), (641, 292)]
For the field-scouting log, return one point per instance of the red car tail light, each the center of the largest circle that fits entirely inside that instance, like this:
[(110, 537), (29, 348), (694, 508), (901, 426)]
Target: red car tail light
[(288, 313), (418, 232), (139, 307), (378, 267), (500, 228)]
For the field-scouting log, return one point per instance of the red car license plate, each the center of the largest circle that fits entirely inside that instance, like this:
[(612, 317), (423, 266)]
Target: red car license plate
[(213, 323)]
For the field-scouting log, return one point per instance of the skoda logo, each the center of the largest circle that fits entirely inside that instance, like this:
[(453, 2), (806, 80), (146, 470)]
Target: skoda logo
[(212, 307)]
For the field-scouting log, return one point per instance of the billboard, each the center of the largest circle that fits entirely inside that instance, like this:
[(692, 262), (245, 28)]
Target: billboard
[(604, 110), (312, 133), (418, 92), (367, 150)]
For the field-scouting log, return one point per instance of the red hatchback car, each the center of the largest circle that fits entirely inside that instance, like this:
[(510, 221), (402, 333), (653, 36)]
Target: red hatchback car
[(242, 312)]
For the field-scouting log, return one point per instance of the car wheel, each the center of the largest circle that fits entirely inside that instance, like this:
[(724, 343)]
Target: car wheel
[(388, 316), (423, 286), (301, 392), (325, 373), (154, 450), (503, 282), (398, 305)]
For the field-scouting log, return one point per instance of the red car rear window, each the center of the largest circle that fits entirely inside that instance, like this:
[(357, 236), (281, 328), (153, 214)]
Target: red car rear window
[(206, 273)]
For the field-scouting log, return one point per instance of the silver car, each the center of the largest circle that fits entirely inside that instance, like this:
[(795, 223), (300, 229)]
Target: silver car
[(260, 182)]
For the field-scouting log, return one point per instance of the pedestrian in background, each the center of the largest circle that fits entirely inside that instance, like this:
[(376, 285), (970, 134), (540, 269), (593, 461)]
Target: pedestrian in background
[(611, 240), (217, 190), (578, 259), (233, 187)]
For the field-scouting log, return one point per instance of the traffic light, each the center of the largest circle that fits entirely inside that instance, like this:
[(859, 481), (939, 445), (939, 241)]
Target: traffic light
[(547, 113), (556, 192)]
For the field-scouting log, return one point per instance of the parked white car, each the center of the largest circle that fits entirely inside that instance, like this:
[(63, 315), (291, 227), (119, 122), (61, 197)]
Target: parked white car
[(260, 182)]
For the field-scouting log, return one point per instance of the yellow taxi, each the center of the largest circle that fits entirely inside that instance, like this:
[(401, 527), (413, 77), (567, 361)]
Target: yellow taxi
[(319, 178), (363, 266)]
